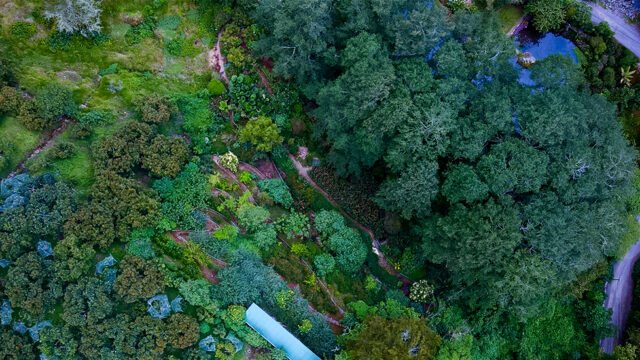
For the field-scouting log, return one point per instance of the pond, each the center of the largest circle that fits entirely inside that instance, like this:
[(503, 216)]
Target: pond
[(540, 47)]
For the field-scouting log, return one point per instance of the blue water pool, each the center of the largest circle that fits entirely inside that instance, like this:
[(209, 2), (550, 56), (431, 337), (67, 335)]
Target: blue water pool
[(547, 45)]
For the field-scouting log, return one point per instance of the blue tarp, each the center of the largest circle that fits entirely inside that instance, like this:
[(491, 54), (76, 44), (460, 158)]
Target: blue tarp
[(4, 263), (5, 312), (277, 335), (176, 304), (159, 307), (208, 344), (34, 331), (44, 248), (106, 262), (20, 328)]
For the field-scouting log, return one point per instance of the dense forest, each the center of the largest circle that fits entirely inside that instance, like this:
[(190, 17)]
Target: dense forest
[(372, 173)]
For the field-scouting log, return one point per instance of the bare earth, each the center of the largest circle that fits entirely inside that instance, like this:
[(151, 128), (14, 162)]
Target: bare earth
[(627, 34)]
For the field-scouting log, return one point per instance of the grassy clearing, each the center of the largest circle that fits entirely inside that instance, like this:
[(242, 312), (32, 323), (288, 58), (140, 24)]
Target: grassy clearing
[(22, 141), (508, 16)]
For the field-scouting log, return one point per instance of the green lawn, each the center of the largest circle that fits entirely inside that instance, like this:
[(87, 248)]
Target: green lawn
[(508, 16), (23, 141)]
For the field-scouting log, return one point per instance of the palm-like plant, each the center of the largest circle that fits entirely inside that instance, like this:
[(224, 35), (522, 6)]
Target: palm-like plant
[(626, 75)]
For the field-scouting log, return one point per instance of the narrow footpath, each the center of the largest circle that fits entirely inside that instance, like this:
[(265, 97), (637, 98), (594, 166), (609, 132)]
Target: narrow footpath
[(375, 244)]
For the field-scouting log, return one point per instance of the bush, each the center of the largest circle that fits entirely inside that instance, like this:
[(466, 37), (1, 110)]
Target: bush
[(71, 16), (10, 100), (324, 264), (111, 69), (80, 131), (155, 109), (23, 30), (278, 191), (54, 101), (216, 87), (96, 118), (61, 151)]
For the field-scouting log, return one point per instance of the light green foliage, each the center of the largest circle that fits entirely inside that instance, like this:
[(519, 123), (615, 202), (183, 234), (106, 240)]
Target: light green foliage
[(284, 298), (261, 133), (226, 232), (277, 190), (229, 161), (141, 247), (197, 293), (421, 291), (216, 87), (548, 15), (293, 225), (553, 335), (305, 326), (253, 218), (300, 250), (23, 30), (370, 283)]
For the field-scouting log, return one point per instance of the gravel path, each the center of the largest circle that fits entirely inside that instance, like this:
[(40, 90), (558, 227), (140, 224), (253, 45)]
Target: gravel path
[(627, 34), (619, 293)]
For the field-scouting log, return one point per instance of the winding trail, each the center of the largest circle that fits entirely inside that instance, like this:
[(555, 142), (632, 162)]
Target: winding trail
[(330, 319), (619, 291), (628, 35), (216, 60), (303, 171)]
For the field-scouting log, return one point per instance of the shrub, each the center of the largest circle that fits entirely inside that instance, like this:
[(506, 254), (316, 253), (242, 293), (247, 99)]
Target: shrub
[(324, 264), (226, 232), (63, 150), (216, 87), (111, 69), (80, 131), (71, 16), (277, 190), (155, 109), (421, 291), (261, 133), (54, 101), (10, 100), (96, 117), (23, 30), (6, 148), (229, 161), (300, 249)]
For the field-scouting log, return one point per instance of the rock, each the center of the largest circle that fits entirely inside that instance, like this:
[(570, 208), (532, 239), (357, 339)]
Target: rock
[(526, 59), (69, 75), (133, 19)]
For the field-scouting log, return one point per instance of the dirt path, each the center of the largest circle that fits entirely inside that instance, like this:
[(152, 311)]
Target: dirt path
[(522, 23), (322, 283), (216, 60), (619, 293), (44, 145), (628, 35), (375, 244)]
